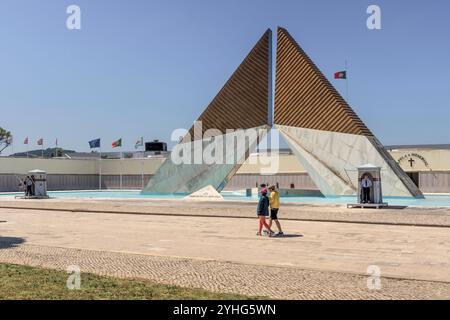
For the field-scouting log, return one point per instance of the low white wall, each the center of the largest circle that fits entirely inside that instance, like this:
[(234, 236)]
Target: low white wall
[(21, 166), (52, 166), (73, 174), (437, 160)]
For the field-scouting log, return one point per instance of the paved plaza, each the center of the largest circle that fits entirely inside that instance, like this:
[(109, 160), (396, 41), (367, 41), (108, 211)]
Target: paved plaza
[(325, 254)]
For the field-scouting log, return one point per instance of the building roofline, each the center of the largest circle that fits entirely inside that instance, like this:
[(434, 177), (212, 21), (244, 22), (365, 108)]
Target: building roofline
[(419, 146)]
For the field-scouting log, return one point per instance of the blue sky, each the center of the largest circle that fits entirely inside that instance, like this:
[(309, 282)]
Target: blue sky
[(144, 68)]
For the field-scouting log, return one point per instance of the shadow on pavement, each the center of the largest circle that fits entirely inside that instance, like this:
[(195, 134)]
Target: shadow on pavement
[(10, 242), (289, 236)]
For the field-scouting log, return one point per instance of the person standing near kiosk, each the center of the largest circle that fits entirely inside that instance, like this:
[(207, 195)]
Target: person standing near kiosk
[(28, 186), (366, 185)]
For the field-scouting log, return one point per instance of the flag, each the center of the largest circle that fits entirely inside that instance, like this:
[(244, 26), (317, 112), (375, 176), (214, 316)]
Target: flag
[(25, 141), (40, 142), (139, 143), (94, 143), (117, 143), (340, 75)]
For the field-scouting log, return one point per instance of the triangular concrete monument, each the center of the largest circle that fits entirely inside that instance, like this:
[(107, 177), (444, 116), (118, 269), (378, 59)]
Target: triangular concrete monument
[(323, 131), (243, 103)]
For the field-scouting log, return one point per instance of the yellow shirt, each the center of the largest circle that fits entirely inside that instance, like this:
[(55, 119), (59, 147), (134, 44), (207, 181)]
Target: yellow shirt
[(274, 200)]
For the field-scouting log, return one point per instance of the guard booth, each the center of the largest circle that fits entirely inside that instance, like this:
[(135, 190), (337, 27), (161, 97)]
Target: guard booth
[(40, 183), (376, 192)]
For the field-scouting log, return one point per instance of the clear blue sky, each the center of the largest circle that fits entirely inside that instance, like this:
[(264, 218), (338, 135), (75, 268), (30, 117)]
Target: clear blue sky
[(144, 68)]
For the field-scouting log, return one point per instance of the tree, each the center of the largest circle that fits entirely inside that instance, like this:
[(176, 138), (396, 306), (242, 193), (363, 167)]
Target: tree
[(5, 139)]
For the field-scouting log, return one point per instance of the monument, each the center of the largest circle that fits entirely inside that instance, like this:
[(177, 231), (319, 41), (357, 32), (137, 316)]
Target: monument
[(243, 103), (323, 131), (325, 134)]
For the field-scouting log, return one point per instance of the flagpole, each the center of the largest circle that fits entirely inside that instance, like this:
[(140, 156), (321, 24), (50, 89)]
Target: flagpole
[(121, 166), (100, 169), (142, 168), (42, 149), (27, 148), (346, 82)]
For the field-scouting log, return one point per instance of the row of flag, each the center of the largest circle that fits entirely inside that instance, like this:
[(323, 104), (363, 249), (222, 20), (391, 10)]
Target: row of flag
[(93, 143), (40, 142), (96, 143)]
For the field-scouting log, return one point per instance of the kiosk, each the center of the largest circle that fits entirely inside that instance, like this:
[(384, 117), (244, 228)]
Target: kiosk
[(40, 183), (373, 173)]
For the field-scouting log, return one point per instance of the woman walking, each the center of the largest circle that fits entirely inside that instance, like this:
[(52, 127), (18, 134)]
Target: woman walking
[(262, 212)]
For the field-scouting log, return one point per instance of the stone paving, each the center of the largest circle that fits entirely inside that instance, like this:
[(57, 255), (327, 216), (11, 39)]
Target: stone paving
[(187, 245), (273, 282), (433, 216)]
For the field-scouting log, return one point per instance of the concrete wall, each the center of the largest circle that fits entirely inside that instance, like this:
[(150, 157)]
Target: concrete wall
[(434, 182), (67, 174), (285, 181), (21, 166), (271, 164), (433, 167), (130, 166), (10, 182), (437, 160)]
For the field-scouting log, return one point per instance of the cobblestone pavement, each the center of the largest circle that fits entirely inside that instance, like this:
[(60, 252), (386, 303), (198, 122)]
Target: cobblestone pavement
[(317, 260), (273, 282), (420, 253)]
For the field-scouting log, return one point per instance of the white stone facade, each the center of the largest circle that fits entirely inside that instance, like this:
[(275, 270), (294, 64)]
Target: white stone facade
[(332, 158), (187, 178)]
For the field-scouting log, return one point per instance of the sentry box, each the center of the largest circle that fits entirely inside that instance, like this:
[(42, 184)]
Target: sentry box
[(373, 174), (40, 183)]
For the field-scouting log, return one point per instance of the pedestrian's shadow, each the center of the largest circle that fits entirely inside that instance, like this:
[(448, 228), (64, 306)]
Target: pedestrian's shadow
[(10, 242), (289, 236), (397, 207)]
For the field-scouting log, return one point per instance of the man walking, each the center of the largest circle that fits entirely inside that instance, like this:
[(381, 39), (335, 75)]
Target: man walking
[(274, 200), (366, 184)]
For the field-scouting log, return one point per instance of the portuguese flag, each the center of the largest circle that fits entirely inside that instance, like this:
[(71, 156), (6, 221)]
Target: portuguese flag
[(117, 143), (340, 75)]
